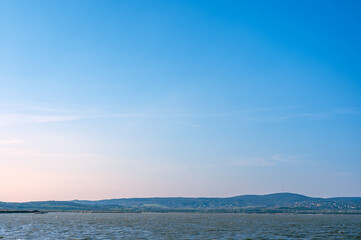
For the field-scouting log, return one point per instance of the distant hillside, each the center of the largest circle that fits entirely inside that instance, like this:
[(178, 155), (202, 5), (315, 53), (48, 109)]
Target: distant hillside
[(278, 202)]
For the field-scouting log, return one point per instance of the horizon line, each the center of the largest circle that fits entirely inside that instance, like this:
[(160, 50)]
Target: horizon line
[(267, 194)]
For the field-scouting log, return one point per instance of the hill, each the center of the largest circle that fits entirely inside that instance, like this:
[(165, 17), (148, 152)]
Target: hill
[(270, 203)]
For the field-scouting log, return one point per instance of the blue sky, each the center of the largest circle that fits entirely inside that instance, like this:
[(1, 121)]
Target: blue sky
[(106, 99)]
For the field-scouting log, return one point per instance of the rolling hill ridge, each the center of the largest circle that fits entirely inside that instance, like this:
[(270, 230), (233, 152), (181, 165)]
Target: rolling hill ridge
[(270, 203)]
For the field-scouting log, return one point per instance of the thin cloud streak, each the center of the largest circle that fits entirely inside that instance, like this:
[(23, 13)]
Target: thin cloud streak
[(11, 119), (269, 117), (267, 161), (38, 114), (257, 114)]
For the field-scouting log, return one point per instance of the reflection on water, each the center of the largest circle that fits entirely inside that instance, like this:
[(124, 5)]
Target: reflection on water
[(178, 226)]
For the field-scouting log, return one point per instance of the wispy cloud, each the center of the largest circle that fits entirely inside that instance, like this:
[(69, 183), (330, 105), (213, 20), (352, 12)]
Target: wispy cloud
[(347, 111), (270, 114), (12, 114), (17, 114), (8, 119), (283, 114), (267, 161)]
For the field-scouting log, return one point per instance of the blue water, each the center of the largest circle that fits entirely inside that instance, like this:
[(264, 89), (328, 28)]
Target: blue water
[(178, 226)]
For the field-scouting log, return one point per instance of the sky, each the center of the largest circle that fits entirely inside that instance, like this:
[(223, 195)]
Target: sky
[(115, 99)]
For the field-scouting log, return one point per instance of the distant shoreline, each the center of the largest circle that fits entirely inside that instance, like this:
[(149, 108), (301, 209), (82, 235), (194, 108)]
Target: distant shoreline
[(191, 212), (276, 203), (22, 211)]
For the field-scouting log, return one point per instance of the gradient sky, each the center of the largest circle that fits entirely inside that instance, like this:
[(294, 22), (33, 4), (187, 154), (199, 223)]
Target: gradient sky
[(112, 99)]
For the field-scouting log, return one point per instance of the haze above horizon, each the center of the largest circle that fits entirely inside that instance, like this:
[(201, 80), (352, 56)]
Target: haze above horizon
[(116, 99)]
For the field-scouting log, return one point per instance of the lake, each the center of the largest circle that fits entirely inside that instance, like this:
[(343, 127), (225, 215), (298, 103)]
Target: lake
[(178, 226)]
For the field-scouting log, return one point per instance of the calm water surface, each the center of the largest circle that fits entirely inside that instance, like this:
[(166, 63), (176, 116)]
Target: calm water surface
[(178, 226)]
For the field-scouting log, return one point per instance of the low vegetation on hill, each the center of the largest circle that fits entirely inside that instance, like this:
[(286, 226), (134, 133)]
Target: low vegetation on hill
[(271, 203)]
